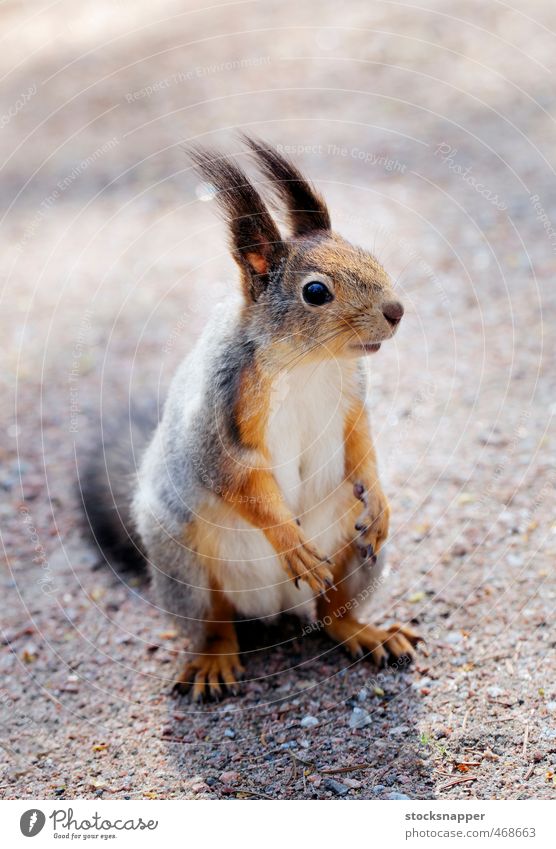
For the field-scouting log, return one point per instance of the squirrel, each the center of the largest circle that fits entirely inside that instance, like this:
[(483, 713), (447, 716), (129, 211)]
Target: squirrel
[(258, 491)]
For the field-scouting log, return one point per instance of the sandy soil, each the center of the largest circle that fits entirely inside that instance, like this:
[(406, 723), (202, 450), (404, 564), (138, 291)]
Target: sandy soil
[(431, 132)]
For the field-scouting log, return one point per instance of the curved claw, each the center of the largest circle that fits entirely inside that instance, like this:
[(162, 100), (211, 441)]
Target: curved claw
[(359, 492)]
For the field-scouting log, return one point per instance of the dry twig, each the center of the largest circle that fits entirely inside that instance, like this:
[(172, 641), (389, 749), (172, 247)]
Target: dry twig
[(458, 781), (525, 740)]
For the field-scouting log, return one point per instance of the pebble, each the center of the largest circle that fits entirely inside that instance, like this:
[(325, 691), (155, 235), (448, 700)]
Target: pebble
[(309, 721), (362, 695), (493, 438), (422, 682), (400, 796), (199, 787), (336, 787), (229, 777), (359, 718), (399, 729), (514, 560), (549, 733), (229, 732)]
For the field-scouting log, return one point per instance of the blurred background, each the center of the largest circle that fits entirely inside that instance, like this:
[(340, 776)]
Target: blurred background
[(431, 133)]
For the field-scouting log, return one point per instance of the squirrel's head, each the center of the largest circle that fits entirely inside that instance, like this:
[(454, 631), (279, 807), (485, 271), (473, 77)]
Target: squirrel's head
[(312, 291)]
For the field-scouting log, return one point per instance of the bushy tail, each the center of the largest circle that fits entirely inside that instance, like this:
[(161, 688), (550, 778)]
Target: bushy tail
[(106, 479)]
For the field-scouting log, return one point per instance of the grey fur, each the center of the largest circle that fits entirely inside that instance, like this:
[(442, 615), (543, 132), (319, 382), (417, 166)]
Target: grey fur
[(106, 478)]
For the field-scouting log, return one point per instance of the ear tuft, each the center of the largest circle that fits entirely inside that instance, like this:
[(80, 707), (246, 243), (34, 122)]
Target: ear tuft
[(258, 262), (307, 210), (255, 239)]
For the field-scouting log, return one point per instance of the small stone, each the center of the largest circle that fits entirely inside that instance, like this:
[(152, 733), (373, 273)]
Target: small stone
[(399, 796), (229, 732), (508, 519), (359, 718), (336, 787), (378, 788), (399, 729), (549, 733), (229, 777), (414, 598), (309, 721), (493, 437), (199, 787), (362, 695), (454, 637)]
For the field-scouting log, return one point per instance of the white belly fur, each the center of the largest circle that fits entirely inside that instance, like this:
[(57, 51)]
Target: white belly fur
[(305, 441)]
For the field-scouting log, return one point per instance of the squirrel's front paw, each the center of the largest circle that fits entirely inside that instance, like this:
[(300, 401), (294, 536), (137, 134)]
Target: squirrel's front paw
[(372, 524), (303, 563)]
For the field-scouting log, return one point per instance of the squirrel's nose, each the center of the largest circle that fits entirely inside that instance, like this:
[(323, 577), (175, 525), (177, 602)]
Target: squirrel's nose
[(392, 312)]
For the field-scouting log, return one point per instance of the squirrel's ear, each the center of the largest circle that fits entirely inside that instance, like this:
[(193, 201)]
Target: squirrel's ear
[(307, 210), (256, 243)]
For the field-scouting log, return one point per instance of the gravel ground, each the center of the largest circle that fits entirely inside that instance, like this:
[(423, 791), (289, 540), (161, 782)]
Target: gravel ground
[(431, 132)]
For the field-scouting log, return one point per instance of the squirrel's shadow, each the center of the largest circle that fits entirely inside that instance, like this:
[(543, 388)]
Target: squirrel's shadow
[(308, 721)]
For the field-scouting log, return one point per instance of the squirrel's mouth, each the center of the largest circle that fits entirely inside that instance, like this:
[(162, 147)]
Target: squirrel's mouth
[(368, 347)]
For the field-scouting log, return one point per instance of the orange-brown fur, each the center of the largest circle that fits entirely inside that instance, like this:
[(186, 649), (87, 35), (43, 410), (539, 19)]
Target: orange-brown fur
[(252, 407), (218, 659), (335, 614), (361, 468)]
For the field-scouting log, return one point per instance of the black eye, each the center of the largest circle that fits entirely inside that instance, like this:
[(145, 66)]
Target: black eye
[(316, 293)]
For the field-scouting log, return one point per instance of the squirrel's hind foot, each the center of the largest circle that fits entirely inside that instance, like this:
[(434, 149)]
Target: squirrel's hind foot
[(385, 645), (208, 676)]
